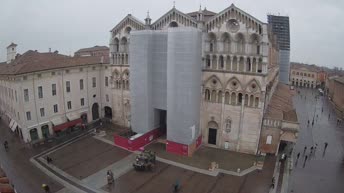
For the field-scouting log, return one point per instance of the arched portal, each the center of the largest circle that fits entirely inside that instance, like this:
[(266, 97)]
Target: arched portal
[(95, 111), (212, 132), (34, 134), (108, 112)]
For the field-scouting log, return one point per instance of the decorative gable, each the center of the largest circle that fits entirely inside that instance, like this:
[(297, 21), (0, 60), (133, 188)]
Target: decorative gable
[(174, 18), (131, 21)]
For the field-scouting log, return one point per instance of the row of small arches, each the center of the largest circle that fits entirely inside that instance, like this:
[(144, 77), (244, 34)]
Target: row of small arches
[(233, 98)]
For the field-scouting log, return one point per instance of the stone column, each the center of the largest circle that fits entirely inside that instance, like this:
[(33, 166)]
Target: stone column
[(231, 60)]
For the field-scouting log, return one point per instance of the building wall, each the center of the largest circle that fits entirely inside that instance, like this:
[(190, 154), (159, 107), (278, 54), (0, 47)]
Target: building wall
[(338, 96), (245, 55), (59, 77), (303, 77)]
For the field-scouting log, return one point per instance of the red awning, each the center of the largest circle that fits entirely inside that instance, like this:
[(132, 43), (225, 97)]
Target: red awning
[(67, 124)]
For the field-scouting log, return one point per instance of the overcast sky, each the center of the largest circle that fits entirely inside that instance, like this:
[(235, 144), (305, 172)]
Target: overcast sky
[(317, 28)]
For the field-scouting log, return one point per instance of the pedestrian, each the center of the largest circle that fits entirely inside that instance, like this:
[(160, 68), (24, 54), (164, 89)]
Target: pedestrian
[(176, 186), (48, 160), (46, 188), (326, 144), (304, 150), (312, 149), (312, 123), (306, 158), (308, 122), (298, 155)]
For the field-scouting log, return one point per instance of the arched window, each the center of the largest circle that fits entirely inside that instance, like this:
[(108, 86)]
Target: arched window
[(228, 63), (233, 98), (240, 98), (251, 100), (214, 62), (228, 125), (124, 45), (226, 42), (256, 102), (207, 95), (241, 64), (227, 98), (173, 24), (213, 96), (240, 43), (260, 65), (235, 64), (246, 100), (222, 62), (207, 61), (212, 42), (297, 73), (219, 97), (255, 49), (116, 44), (248, 65)]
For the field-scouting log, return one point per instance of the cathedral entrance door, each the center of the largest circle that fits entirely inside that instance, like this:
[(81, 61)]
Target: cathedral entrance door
[(212, 136)]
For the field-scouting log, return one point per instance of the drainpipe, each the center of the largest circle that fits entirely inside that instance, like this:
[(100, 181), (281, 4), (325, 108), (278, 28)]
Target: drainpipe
[(34, 98)]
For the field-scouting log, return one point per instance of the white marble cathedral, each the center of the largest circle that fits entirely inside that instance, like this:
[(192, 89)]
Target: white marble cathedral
[(239, 62)]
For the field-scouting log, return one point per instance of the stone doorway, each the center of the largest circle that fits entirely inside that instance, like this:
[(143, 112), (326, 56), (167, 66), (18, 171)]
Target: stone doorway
[(212, 136)]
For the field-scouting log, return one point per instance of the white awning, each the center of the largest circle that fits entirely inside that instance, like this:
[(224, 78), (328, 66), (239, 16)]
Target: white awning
[(14, 126), (11, 123), (73, 116), (58, 120)]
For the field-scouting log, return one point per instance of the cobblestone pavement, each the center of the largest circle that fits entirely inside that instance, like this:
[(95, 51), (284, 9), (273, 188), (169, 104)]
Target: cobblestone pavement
[(164, 176), (324, 170), (86, 156)]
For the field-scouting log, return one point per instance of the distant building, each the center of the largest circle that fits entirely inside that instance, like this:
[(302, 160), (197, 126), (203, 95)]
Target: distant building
[(280, 27), (43, 94), (335, 90), (93, 51), (11, 52), (303, 75)]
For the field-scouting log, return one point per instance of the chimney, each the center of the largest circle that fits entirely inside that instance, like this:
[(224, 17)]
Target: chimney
[(11, 52)]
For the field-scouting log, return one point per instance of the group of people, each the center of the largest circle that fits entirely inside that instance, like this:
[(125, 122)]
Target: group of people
[(311, 153)]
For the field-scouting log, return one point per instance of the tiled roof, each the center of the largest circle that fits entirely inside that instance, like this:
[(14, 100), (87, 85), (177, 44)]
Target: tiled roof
[(94, 48), (312, 68), (33, 61), (281, 104)]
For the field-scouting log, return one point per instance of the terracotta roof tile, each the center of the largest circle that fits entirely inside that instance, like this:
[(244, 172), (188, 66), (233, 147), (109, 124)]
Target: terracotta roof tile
[(281, 104), (33, 61), (94, 48)]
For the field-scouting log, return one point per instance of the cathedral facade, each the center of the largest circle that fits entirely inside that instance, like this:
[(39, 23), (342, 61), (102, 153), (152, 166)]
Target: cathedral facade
[(239, 71)]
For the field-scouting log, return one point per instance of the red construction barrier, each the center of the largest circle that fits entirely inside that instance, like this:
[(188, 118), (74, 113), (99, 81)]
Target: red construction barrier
[(136, 144), (182, 149)]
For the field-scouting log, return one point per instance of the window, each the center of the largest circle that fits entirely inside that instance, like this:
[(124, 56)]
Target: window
[(228, 125), (26, 95), (40, 92), (55, 109), (268, 139), (69, 104), (52, 73), (82, 101), (28, 115), (39, 75), (67, 86), (41, 110), (81, 69), (107, 98), (106, 81), (94, 83), (53, 89), (24, 77), (81, 84), (67, 71)]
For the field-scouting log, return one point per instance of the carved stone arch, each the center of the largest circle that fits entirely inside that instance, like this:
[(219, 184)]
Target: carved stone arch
[(231, 86), (254, 38), (240, 37), (125, 74), (209, 83), (213, 124), (115, 74), (248, 86)]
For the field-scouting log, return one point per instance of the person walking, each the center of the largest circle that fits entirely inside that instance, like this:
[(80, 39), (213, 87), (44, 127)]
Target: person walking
[(298, 156), (326, 144), (304, 150)]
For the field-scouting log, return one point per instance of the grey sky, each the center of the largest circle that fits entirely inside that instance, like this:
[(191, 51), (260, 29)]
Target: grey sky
[(67, 25)]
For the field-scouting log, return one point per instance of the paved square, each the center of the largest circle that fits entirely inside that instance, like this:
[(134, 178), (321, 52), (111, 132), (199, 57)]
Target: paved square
[(86, 156), (203, 157), (162, 178)]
